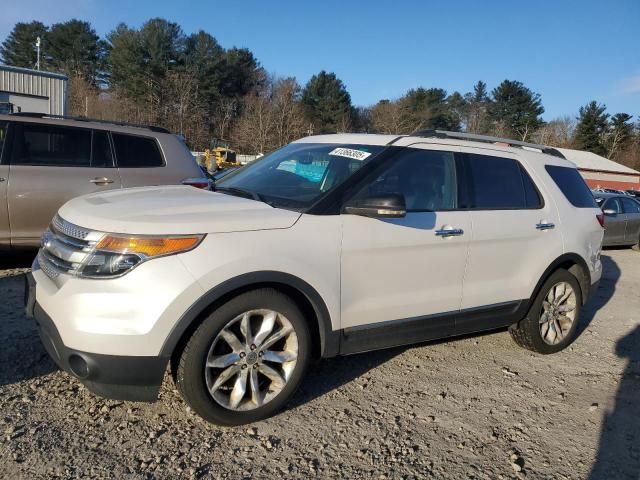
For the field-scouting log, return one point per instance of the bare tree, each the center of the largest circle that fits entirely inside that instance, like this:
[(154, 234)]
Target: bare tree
[(182, 110), (557, 133), (390, 117), (270, 118)]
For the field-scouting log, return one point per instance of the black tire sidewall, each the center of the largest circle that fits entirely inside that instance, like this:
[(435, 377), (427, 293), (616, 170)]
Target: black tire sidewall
[(532, 323), (191, 372)]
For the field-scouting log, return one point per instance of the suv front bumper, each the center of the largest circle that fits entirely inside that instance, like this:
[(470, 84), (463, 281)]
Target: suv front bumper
[(111, 376)]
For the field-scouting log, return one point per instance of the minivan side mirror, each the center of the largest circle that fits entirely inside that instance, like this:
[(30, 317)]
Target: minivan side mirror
[(378, 206), (610, 212)]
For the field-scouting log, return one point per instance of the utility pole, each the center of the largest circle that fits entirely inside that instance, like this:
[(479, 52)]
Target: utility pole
[(38, 53)]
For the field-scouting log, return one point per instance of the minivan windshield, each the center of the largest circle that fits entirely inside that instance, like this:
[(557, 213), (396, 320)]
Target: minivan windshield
[(297, 175)]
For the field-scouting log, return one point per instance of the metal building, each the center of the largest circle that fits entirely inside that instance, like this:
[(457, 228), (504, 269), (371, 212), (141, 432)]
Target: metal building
[(602, 172), (22, 89)]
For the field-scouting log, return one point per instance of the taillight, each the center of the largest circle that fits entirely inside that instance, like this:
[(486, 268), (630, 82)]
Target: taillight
[(199, 182), (600, 217)]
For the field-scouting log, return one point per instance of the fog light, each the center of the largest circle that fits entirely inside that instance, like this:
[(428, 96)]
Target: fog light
[(78, 366)]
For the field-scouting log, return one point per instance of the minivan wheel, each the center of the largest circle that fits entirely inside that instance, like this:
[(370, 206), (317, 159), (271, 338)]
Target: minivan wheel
[(246, 359), (552, 320)]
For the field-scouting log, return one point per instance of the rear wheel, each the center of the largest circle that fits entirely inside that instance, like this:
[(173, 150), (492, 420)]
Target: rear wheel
[(246, 359), (552, 320)]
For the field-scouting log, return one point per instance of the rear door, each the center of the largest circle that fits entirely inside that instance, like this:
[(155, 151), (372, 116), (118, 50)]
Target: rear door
[(4, 182), (51, 164), (516, 235), (632, 214), (614, 221)]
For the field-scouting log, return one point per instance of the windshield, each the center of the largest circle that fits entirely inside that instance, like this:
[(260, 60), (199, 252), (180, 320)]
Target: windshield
[(299, 174)]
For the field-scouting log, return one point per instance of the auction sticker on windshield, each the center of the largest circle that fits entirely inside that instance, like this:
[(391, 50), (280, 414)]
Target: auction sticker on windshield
[(350, 153)]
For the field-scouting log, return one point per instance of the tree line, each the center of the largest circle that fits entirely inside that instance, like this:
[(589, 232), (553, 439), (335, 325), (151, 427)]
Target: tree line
[(192, 85)]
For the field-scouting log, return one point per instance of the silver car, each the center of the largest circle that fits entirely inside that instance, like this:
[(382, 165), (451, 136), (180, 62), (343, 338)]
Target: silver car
[(621, 219)]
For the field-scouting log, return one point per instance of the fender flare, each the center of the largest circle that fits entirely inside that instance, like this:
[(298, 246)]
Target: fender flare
[(329, 339), (585, 281)]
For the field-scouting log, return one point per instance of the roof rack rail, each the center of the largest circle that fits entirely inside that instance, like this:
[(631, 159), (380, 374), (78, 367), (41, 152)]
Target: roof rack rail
[(152, 128), (472, 137)]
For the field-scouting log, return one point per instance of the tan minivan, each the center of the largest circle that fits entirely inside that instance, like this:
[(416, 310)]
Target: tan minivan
[(46, 161)]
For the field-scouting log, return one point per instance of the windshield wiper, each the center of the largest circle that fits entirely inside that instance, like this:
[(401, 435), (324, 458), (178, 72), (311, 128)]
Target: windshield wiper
[(239, 192)]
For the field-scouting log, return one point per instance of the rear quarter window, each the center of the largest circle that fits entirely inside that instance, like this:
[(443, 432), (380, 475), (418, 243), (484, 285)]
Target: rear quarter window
[(137, 152), (572, 185)]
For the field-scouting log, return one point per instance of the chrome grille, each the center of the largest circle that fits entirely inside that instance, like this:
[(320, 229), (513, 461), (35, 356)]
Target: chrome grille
[(69, 229), (47, 267), (65, 247)]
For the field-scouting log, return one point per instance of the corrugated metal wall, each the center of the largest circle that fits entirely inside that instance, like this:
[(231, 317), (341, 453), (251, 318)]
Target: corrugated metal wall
[(37, 84)]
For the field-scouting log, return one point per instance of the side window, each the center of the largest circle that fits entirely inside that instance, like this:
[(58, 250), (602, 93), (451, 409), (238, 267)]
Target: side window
[(101, 156), (426, 178), (613, 204), (3, 136), (135, 152), (49, 145), (572, 186), (630, 206), (499, 183)]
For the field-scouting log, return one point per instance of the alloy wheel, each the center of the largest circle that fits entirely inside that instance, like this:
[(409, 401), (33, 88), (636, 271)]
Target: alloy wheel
[(251, 360), (558, 313)]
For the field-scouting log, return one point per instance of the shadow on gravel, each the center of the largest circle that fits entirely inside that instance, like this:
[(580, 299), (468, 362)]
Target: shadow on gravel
[(332, 373), (22, 356), (606, 290), (619, 449)]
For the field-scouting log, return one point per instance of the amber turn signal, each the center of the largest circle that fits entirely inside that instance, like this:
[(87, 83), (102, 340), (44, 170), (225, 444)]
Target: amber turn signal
[(148, 246)]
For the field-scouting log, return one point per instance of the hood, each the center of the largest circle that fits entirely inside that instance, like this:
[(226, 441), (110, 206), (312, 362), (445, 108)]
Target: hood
[(173, 210)]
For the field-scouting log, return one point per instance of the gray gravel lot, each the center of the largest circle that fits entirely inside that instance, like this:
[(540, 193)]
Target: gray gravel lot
[(477, 407)]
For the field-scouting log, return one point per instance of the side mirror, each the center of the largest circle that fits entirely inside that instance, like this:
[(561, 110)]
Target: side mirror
[(610, 212), (378, 206)]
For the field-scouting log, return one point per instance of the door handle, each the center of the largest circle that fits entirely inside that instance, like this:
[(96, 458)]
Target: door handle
[(545, 226), (2, 179), (449, 232), (101, 180)]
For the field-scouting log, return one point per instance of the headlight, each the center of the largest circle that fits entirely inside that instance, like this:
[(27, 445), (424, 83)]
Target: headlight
[(115, 255)]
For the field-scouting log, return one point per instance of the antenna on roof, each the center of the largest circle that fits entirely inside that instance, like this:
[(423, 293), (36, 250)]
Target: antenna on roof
[(38, 53)]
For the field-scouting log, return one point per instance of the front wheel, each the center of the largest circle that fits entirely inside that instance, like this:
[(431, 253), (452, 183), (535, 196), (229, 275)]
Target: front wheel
[(246, 359), (552, 320)]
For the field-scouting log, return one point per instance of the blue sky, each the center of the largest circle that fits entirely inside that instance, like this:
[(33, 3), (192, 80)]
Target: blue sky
[(568, 51)]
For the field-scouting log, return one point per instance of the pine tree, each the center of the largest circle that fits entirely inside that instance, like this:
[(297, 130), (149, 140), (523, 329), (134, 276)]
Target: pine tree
[(19, 48), (327, 103), (75, 49), (592, 128), (475, 113), (430, 109), (515, 110)]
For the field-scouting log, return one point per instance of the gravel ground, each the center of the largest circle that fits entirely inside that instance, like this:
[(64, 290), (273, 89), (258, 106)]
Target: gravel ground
[(476, 407)]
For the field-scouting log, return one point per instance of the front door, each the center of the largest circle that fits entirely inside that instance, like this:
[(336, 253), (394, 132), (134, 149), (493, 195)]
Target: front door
[(49, 166), (632, 216), (405, 275)]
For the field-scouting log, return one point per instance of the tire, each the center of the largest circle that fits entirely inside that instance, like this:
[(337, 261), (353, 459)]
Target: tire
[(211, 390), (539, 334)]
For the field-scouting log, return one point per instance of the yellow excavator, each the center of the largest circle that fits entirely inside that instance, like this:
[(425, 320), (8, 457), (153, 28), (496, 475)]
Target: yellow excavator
[(219, 156)]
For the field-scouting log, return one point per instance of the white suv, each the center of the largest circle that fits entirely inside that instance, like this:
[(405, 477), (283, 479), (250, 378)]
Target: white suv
[(332, 245)]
